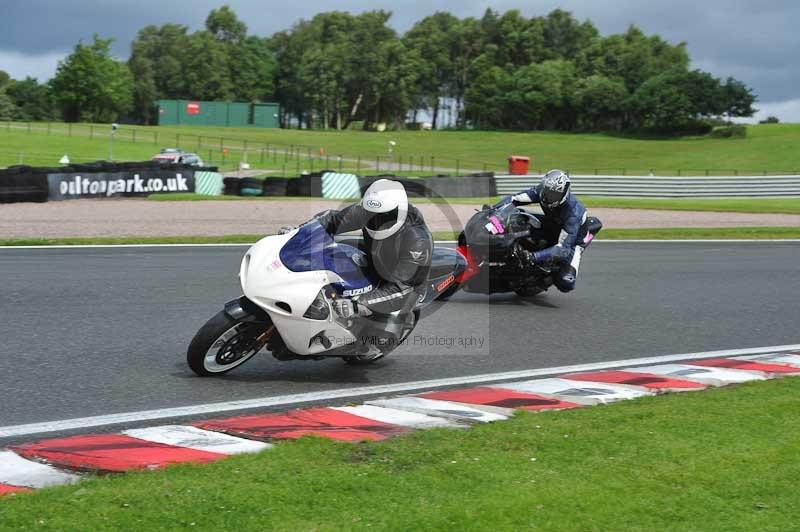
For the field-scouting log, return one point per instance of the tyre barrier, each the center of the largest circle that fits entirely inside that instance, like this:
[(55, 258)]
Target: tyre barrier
[(231, 186), (98, 179), (208, 183), (481, 184), (415, 188), (305, 185), (275, 186), (19, 188), (250, 186)]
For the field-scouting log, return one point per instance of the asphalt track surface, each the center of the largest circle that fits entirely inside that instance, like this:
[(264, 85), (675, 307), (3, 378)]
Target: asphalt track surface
[(88, 332)]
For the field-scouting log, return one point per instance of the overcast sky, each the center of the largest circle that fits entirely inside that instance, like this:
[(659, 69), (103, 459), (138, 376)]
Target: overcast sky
[(755, 41)]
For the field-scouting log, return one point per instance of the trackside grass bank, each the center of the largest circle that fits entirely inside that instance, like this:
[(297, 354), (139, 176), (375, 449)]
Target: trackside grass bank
[(767, 148), (748, 205), (724, 459), (732, 233), (701, 233)]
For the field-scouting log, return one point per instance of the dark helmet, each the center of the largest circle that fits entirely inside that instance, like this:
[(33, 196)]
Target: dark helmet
[(555, 189)]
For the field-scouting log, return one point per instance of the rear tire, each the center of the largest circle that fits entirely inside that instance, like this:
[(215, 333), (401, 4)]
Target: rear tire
[(223, 344)]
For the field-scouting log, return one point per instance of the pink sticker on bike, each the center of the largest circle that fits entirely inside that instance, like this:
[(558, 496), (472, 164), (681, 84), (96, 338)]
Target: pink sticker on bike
[(498, 225)]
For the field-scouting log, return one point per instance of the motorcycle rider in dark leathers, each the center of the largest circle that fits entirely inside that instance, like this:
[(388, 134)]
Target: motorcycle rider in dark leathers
[(397, 242), (568, 228)]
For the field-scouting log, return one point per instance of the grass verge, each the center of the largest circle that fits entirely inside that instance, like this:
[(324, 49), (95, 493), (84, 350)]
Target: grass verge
[(190, 196), (746, 205), (769, 147), (689, 233), (718, 460), (132, 240), (700, 233)]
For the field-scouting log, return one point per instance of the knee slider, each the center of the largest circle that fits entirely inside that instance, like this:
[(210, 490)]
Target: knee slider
[(593, 225)]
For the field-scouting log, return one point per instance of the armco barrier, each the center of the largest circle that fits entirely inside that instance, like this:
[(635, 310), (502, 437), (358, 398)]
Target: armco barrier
[(665, 187), (461, 187)]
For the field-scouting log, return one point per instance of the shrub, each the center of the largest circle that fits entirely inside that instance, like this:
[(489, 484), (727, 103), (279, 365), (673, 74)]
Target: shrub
[(731, 132)]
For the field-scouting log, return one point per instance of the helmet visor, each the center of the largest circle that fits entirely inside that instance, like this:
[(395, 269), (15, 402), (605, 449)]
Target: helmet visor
[(382, 220), (552, 198)]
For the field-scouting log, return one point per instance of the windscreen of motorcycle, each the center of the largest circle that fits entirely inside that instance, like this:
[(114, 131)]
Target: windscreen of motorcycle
[(313, 249), (487, 232)]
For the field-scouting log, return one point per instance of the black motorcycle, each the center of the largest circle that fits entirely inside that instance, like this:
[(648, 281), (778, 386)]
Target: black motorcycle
[(497, 242)]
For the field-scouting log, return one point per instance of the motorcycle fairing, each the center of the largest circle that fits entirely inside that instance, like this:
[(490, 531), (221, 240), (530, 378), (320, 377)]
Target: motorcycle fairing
[(285, 274), (487, 244), (311, 248), (447, 267), (286, 295)]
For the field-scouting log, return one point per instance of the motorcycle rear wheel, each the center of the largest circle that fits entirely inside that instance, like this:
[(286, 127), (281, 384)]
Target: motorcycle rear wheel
[(223, 344)]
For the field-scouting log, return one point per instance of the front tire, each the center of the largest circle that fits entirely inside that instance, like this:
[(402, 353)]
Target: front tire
[(224, 343)]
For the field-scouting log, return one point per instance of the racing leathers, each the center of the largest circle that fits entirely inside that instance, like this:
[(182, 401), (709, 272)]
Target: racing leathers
[(402, 261), (569, 231)]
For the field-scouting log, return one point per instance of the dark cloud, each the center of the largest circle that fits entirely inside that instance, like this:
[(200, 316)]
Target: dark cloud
[(754, 41)]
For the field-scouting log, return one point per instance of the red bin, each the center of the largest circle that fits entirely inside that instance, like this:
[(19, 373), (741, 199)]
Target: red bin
[(518, 165)]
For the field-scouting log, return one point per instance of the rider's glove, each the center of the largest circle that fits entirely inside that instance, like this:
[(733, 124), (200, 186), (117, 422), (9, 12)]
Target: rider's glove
[(520, 199), (525, 256), (347, 308), (287, 229)]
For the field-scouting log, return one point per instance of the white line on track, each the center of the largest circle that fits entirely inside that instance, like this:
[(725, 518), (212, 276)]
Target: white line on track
[(221, 245), (293, 399)]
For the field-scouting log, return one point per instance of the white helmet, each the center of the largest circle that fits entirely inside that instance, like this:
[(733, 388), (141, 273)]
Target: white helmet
[(388, 202)]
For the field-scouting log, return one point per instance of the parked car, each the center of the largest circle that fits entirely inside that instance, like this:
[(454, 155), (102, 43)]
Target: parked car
[(174, 155)]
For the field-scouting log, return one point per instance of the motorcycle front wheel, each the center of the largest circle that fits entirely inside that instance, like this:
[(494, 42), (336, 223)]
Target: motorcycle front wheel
[(224, 343)]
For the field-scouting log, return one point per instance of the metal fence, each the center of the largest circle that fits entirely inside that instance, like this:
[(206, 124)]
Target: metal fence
[(665, 187), (229, 150)]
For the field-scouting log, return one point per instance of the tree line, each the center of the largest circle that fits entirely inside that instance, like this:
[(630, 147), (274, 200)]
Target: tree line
[(339, 70)]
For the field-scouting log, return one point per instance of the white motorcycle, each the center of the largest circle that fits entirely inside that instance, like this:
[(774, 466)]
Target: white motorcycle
[(289, 283)]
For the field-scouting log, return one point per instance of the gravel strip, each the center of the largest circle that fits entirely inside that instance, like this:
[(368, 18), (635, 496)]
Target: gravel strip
[(137, 217)]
